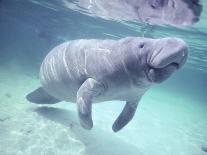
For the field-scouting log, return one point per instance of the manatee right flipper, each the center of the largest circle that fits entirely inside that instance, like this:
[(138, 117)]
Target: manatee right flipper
[(89, 89), (126, 115), (40, 96)]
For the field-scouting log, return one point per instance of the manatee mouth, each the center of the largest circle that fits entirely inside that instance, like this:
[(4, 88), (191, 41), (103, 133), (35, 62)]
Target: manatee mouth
[(158, 75)]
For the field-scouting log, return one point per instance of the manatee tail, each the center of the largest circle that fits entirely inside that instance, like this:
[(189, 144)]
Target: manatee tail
[(40, 96)]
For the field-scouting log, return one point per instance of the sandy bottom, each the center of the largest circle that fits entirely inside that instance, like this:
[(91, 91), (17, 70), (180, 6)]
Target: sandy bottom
[(165, 124)]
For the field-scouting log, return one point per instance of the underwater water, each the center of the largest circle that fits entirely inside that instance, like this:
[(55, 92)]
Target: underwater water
[(171, 118)]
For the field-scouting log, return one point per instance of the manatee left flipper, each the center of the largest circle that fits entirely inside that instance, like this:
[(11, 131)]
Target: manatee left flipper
[(40, 96), (89, 89), (125, 116)]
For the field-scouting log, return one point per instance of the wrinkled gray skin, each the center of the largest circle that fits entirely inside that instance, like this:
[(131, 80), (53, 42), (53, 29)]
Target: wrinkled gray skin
[(172, 12), (92, 71)]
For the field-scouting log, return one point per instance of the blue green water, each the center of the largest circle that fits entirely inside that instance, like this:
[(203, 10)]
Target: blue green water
[(171, 118)]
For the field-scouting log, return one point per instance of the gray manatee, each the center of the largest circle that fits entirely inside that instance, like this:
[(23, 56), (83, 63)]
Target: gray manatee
[(172, 12), (92, 71)]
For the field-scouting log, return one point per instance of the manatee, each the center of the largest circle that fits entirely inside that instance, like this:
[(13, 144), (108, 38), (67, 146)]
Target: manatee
[(93, 71), (155, 12)]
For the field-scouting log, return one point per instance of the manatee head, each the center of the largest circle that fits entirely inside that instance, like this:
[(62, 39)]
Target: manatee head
[(173, 12), (155, 59), (152, 60)]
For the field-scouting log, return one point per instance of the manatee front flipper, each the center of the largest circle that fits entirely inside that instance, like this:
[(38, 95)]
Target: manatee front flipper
[(40, 96), (125, 116), (89, 89)]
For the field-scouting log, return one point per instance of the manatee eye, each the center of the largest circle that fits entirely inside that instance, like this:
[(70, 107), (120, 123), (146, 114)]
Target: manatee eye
[(157, 3), (141, 45)]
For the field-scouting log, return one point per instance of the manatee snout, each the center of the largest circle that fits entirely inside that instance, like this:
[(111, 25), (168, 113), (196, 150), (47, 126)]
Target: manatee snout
[(169, 54), (169, 51)]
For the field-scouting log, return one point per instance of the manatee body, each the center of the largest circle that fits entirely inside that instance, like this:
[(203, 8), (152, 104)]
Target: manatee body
[(172, 12), (92, 71)]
